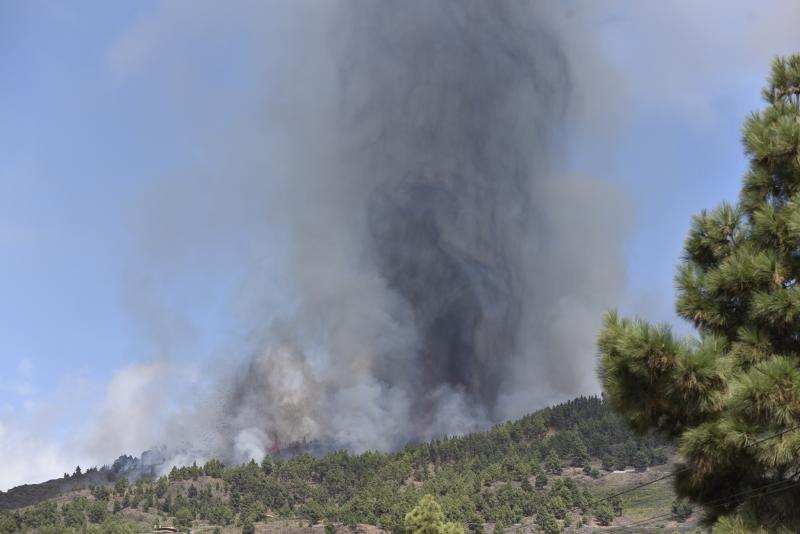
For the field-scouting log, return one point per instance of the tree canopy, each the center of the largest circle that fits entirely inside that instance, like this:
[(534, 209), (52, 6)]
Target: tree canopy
[(495, 477), (427, 518), (730, 398)]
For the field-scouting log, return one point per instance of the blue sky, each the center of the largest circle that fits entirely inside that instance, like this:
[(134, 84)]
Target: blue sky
[(95, 114)]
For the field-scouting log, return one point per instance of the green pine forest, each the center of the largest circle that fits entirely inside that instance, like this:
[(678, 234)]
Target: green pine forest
[(545, 470)]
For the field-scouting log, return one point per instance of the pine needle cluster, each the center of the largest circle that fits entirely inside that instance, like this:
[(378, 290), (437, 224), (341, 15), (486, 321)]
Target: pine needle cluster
[(718, 396)]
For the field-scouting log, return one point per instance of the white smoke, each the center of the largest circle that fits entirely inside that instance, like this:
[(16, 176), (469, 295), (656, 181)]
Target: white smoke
[(422, 266), (354, 110)]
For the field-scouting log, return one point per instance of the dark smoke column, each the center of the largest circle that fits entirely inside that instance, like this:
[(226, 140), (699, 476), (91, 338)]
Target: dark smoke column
[(455, 104), (417, 191)]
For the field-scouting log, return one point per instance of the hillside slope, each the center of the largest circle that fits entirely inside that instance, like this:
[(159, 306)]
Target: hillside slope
[(548, 471)]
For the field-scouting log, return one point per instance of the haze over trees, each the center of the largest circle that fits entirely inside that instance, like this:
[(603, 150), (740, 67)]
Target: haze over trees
[(730, 399), (537, 470)]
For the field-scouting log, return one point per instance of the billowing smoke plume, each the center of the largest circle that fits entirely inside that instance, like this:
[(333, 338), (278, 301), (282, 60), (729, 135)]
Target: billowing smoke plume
[(430, 266), (401, 173), (326, 246)]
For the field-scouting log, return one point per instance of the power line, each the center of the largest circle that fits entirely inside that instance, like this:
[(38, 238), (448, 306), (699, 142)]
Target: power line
[(669, 475), (723, 500), (728, 499), (777, 434), (640, 486), (683, 470), (751, 494), (738, 495)]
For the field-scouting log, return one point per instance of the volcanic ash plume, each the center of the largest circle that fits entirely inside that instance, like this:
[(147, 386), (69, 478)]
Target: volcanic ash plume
[(433, 250)]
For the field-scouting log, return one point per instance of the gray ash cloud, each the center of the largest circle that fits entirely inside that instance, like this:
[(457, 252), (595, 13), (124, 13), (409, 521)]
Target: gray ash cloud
[(456, 105), (439, 272), (422, 220)]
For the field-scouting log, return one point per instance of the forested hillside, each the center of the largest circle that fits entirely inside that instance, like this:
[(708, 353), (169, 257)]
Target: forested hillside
[(547, 467)]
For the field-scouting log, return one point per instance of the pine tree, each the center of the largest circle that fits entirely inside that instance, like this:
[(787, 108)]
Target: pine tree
[(681, 510), (580, 454), (616, 506), (730, 399), (603, 513), (553, 463), (427, 518), (546, 521), (640, 460)]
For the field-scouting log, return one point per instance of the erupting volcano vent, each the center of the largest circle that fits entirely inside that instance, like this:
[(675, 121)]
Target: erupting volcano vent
[(443, 272)]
